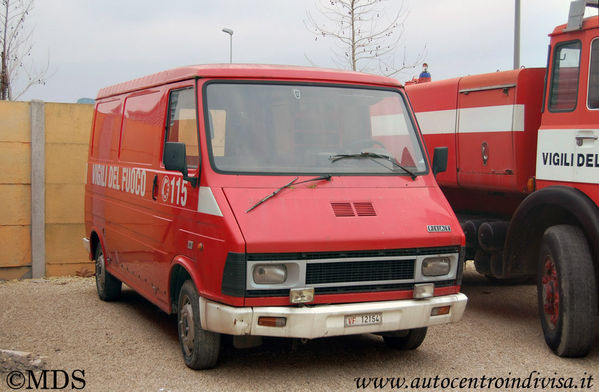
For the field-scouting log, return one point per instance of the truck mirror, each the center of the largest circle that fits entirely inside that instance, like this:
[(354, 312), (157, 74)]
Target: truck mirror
[(175, 159), (440, 160)]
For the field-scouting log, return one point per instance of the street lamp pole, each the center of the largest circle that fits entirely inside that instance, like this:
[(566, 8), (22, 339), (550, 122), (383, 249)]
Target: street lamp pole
[(230, 32), (517, 35)]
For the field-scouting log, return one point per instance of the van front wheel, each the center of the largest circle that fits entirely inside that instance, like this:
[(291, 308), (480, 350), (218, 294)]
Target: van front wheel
[(200, 347), (406, 340)]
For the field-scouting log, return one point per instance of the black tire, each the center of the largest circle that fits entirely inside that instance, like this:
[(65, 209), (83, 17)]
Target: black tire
[(200, 348), (109, 287), (406, 340), (566, 291)]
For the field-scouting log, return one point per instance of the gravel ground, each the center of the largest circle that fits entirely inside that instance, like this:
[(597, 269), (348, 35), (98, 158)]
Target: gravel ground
[(131, 345)]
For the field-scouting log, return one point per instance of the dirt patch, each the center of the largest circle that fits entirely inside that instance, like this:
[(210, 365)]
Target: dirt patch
[(19, 360), (130, 345)]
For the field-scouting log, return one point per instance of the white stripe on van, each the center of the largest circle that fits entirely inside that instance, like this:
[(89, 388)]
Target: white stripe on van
[(207, 203)]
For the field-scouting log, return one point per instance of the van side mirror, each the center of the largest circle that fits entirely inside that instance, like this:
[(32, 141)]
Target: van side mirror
[(174, 159), (440, 160)]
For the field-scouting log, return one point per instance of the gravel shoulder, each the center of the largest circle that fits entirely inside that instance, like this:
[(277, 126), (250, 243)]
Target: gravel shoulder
[(132, 345)]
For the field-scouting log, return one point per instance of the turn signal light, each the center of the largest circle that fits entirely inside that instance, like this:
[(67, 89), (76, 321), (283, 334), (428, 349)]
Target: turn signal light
[(531, 185), (440, 310), (272, 321)]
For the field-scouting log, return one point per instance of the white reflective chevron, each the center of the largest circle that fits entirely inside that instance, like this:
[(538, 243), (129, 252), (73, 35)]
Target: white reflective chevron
[(207, 203)]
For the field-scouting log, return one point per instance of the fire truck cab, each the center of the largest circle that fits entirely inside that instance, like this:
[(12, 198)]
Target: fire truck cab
[(523, 174)]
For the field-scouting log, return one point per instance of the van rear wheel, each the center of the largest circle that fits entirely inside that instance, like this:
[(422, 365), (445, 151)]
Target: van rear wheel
[(109, 287), (406, 340), (567, 292), (200, 348)]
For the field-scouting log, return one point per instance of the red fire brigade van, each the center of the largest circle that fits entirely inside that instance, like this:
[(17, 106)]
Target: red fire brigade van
[(523, 174), (271, 201)]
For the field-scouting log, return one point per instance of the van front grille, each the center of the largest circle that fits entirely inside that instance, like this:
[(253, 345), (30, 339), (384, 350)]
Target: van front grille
[(338, 272), (359, 271)]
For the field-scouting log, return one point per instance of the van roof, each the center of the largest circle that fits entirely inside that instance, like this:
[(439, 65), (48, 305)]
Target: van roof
[(247, 71)]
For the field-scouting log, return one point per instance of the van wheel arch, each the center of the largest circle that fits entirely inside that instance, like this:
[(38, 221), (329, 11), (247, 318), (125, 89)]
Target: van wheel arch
[(94, 239), (178, 276)]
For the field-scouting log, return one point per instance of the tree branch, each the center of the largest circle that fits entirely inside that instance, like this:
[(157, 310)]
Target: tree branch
[(366, 34)]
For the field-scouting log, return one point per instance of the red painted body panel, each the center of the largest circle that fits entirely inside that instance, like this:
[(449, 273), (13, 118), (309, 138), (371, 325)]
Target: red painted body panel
[(302, 220), (440, 96), (500, 110)]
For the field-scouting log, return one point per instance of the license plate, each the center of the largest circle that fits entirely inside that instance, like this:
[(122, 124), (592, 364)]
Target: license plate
[(355, 320)]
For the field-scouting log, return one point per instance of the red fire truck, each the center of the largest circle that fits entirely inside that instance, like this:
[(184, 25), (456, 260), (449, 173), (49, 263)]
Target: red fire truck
[(271, 201), (523, 174)]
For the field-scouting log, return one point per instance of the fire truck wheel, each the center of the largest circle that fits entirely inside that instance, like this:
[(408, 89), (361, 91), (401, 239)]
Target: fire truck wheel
[(200, 348), (109, 287), (566, 291), (406, 340)]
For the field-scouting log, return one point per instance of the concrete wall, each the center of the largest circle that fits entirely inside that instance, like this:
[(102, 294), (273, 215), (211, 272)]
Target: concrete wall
[(43, 153)]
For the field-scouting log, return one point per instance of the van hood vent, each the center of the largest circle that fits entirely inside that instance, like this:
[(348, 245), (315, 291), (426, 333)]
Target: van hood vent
[(364, 208), (347, 209)]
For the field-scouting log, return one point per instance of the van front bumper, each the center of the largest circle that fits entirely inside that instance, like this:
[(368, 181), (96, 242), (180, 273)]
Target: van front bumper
[(317, 321), (87, 246)]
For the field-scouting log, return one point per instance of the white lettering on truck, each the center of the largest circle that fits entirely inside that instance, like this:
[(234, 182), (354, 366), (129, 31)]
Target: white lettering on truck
[(174, 189), (133, 179), (569, 155), (113, 177), (99, 175)]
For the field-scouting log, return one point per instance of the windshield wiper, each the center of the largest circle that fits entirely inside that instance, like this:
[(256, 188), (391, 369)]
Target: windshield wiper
[(371, 155), (292, 182)]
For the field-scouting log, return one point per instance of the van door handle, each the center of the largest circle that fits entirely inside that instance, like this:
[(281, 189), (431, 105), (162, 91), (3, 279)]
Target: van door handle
[(155, 187), (581, 139)]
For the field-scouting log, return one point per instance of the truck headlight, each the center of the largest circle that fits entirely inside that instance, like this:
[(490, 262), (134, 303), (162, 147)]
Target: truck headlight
[(270, 273), (436, 266)]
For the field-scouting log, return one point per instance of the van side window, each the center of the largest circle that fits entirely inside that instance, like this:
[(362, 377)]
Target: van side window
[(142, 128), (106, 129), (593, 97), (182, 124), (564, 77)]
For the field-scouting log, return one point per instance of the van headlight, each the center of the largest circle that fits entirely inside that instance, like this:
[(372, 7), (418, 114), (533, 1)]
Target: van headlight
[(270, 273), (436, 266)]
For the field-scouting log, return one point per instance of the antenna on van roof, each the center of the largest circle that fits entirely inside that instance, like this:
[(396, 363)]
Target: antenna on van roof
[(576, 15)]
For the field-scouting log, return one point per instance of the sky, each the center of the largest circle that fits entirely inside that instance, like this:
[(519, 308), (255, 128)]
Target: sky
[(91, 44)]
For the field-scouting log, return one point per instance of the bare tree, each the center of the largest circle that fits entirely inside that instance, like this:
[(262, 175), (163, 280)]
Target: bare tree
[(366, 34), (15, 47)]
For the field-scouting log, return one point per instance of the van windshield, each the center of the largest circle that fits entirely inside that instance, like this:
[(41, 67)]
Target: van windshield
[(305, 129)]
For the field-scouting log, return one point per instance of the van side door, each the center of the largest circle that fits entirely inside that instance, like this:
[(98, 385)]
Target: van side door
[(176, 199)]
